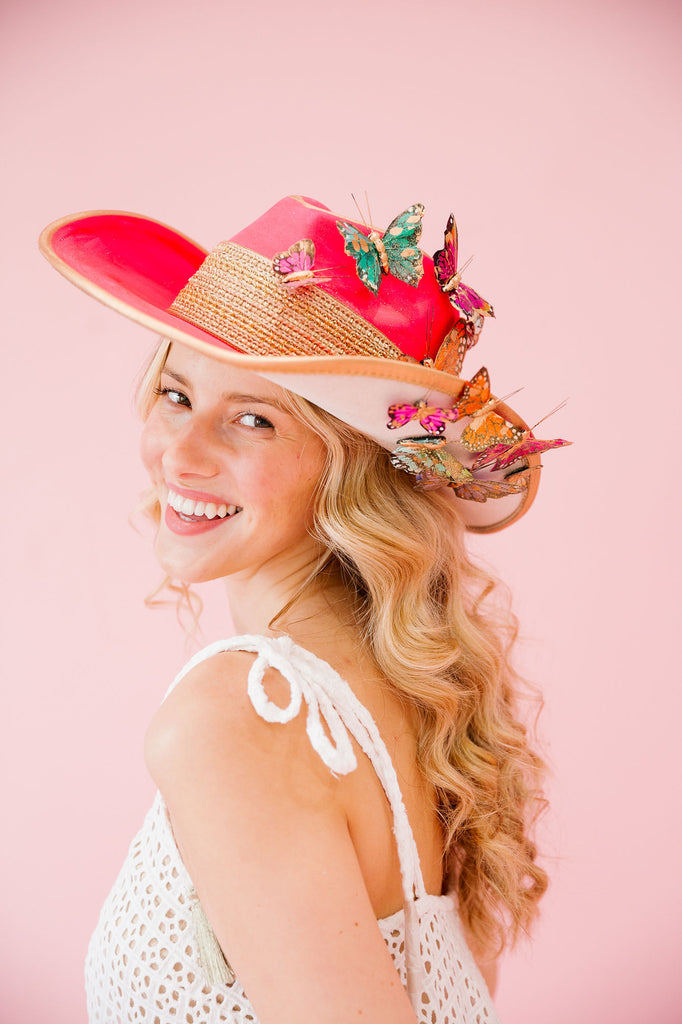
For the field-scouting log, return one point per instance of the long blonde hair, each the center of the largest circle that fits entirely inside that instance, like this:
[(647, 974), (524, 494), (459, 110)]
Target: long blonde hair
[(431, 619)]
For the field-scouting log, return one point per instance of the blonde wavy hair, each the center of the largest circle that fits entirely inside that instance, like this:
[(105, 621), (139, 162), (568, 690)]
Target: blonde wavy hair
[(440, 634)]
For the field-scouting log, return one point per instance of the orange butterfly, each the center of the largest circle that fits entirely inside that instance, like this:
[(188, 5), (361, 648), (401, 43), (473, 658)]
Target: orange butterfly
[(475, 394), (457, 343), (486, 427)]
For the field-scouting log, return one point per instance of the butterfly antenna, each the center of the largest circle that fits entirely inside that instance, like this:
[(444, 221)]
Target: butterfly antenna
[(556, 409), (429, 328), (369, 212), (508, 395), (460, 270), (362, 216)]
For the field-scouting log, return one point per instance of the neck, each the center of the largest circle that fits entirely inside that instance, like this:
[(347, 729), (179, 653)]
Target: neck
[(265, 605)]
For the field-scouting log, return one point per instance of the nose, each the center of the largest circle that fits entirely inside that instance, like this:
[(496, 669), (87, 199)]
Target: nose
[(191, 453)]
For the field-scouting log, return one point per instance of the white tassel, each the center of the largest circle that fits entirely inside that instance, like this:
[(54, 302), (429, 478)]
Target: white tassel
[(211, 957), (414, 967)]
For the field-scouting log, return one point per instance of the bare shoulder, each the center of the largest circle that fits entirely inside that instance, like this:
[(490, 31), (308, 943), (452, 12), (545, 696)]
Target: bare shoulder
[(259, 824), (207, 728)]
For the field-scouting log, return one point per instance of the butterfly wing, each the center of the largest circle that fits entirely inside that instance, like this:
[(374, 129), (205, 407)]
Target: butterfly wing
[(445, 260), (433, 419), (422, 443), (502, 459), (426, 459), (481, 490), (401, 242), (469, 302), (489, 456), (491, 430), (476, 393), (400, 414), (364, 253), (298, 258), (457, 343)]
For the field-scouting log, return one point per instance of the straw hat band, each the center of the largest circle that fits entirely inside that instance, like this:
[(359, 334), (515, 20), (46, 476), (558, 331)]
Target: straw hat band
[(236, 296)]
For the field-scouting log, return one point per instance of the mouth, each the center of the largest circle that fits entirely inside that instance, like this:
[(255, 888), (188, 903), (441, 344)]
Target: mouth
[(190, 511)]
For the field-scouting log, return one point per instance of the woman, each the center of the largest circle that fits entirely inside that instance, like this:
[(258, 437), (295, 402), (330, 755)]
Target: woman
[(353, 757)]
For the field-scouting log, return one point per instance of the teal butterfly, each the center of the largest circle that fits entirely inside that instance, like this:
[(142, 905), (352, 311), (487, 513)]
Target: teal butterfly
[(428, 460), (395, 252)]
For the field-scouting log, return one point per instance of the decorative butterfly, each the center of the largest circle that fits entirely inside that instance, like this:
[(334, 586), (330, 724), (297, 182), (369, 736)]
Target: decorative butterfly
[(431, 418), (486, 427), (506, 452), (449, 278), (396, 252), (476, 394), (295, 266), (457, 343), (481, 490), (427, 460)]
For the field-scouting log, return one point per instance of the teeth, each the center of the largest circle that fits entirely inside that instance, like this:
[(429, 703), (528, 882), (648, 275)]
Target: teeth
[(209, 509)]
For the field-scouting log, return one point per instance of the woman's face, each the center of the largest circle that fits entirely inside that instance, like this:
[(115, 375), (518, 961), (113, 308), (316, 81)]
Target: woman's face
[(234, 473)]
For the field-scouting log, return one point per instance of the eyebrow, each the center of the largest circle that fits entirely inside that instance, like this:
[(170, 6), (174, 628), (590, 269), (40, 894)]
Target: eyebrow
[(230, 396)]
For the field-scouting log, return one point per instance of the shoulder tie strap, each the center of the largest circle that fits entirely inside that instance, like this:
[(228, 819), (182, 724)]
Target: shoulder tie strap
[(329, 698)]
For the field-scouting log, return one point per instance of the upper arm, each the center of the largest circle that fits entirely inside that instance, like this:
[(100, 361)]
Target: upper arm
[(266, 842)]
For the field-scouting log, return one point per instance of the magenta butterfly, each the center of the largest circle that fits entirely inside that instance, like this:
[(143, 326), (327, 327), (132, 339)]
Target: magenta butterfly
[(505, 453), (507, 450), (295, 266), (462, 297), (431, 418)]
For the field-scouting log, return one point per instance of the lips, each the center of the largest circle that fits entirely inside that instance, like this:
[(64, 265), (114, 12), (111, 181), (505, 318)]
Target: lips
[(189, 508), (190, 516)]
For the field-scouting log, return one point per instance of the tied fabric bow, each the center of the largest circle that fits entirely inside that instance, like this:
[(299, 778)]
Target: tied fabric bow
[(336, 753)]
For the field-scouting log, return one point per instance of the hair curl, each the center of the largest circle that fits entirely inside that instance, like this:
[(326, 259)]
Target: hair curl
[(437, 632)]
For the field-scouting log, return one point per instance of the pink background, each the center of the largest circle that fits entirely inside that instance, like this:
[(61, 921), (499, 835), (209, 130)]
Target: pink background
[(552, 129)]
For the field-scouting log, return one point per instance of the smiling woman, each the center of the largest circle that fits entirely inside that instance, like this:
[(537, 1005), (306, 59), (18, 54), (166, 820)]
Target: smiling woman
[(214, 440), (346, 788)]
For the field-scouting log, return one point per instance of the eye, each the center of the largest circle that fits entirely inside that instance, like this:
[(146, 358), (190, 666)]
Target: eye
[(254, 419), (173, 395)]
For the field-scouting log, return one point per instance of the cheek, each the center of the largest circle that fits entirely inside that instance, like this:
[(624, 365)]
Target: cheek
[(151, 446)]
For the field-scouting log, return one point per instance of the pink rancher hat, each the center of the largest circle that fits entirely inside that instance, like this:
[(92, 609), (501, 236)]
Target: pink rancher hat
[(324, 320)]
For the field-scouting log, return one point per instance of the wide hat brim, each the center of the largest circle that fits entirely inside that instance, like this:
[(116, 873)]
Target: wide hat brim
[(139, 266)]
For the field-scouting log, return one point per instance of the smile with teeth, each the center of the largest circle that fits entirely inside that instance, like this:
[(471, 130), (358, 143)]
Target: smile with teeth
[(191, 510)]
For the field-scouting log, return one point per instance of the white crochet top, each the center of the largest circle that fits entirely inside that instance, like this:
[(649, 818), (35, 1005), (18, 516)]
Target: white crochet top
[(142, 964)]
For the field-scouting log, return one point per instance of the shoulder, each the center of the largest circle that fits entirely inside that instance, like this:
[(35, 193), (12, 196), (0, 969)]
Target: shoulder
[(207, 728)]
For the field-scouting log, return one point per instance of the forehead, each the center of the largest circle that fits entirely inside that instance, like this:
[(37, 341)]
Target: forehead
[(202, 371)]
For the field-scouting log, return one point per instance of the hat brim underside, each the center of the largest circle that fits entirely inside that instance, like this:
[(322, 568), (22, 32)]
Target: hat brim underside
[(137, 266)]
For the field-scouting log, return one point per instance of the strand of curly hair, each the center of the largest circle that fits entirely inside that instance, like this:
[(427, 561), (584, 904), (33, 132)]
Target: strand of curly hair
[(427, 614)]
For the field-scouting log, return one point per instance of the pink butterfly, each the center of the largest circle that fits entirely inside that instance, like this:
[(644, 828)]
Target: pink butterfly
[(508, 450), (295, 266), (431, 418), (449, 278)]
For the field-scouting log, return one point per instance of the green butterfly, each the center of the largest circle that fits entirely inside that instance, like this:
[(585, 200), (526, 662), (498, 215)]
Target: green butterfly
[(396, 252), (427, 459)]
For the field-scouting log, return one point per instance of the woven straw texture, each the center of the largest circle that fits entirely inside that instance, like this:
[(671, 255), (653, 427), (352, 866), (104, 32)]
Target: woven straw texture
[(236, 296)]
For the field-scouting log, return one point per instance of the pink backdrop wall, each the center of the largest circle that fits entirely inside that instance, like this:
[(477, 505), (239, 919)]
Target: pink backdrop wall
[(553, 130)]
